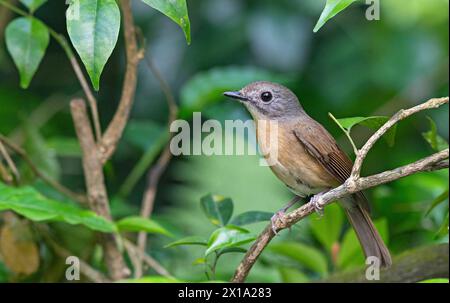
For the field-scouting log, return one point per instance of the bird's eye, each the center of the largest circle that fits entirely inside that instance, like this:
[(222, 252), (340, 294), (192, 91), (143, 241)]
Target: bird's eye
[(266, 96)]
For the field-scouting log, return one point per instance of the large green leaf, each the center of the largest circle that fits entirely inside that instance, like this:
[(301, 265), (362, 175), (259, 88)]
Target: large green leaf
[(194, 240), (177, 11), (307, 256), (374, 122), (26, 39), (228, 237), (332, 8), (327, 229), (432, 137), (33, 4), (251, 217), (29, 203), (93, 27), (218, 209), (207, 87), (351, 254), (135, 223)]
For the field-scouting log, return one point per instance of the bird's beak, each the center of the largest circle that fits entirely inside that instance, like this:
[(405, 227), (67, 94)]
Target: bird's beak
[(235, 95)]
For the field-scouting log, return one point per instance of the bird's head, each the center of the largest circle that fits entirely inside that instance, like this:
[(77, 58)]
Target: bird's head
[(266, 100)]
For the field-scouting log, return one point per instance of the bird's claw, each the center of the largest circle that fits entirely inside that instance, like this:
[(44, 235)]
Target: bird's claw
[(279, 215), (315, 201)]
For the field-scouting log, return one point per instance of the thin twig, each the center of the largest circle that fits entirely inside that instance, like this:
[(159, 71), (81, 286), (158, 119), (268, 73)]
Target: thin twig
[(12, 166), (159, 168), (352, 185), (56, 185), (134, 55)]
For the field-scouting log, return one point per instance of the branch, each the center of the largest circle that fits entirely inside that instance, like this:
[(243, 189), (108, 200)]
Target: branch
[(158, 169), (402, 114), (12, 166), (352, 185), (95, 184), (115, 129), (57, 186), (429, 262)]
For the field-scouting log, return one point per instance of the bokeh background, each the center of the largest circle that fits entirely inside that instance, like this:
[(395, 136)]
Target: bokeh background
[(351, 67)]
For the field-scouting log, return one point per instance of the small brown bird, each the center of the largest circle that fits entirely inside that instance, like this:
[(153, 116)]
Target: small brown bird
[(309, 161)]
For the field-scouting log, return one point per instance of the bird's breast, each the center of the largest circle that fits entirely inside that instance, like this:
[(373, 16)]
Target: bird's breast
[(290, 161)]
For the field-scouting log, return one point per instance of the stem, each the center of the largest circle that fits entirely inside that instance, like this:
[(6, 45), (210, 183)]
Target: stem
[(355, 149)]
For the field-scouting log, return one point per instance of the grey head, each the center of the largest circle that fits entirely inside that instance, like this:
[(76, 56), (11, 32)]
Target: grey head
[(267, 100)]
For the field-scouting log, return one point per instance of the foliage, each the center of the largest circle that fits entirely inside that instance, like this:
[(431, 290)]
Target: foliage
[(351, 67)]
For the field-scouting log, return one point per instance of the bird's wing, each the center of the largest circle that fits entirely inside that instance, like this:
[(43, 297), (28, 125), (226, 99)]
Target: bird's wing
[(322, 146)]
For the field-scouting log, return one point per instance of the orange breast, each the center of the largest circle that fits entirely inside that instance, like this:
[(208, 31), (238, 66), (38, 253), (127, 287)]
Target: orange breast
[(302, 173)]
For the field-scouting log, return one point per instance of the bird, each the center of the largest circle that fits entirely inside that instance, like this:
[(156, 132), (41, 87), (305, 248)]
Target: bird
[(308, 159)]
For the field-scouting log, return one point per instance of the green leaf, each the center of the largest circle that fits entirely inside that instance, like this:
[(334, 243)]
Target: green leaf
[(218, 209), (93, 27), (177, 11), (33, 5), (26, 39), (228, 237), (29, 203), (292, 275), (251, 217), (332, 8), (136, 224), (440, 199), (206, 88), (327, 229), (194, 240), (233, 250), (374, 122), (443, 230), (351, 254), (305, 255), (436, 142)]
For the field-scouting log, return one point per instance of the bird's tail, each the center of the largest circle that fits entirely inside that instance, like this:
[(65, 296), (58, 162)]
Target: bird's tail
[(368, 235)]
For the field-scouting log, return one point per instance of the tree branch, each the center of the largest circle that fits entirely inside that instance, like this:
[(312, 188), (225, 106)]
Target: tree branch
[(95, 184), (429, 262), (352, 185), (115, 129)]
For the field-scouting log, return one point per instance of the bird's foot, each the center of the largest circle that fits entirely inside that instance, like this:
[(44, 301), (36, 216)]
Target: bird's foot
[(279, 215), (315, 201)]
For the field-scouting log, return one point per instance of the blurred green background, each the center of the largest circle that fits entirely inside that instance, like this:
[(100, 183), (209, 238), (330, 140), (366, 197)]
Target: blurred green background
[(351, 67)]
